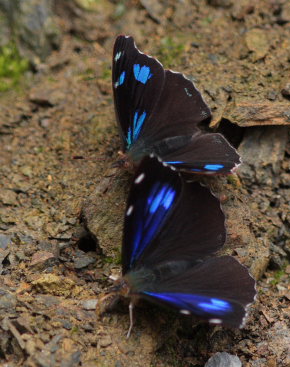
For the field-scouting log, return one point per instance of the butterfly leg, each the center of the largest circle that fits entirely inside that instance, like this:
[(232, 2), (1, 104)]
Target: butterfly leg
[(131, 306)]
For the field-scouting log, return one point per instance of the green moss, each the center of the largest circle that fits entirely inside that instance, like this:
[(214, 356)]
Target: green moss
[(106, 71), (75, 330), (277, 276), (120, 10), (88, 74), (170, 51), (12, 66), (207, 20), (116, 259), (234, 180)]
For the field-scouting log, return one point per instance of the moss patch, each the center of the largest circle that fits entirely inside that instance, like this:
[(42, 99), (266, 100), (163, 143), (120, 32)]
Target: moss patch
[(170, 51), (12, 67)]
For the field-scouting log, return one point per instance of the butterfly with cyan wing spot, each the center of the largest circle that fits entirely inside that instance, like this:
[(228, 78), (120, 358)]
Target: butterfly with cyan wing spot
[(171, 231), (158, 111)]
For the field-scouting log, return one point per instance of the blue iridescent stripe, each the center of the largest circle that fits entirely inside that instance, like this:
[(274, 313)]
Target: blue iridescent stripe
[(151, 216), (134, 132), (213, 167), (121, 79), (193, 302)]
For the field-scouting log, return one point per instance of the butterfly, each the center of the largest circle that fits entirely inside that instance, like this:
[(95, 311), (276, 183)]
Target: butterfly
[(158, 111), (171, 231)]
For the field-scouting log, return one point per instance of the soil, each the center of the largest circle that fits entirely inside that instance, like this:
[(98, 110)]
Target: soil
[(62, 197)]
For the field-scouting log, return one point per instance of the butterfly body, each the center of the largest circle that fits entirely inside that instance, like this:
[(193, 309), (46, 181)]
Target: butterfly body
[(172, 230), (159, 111)]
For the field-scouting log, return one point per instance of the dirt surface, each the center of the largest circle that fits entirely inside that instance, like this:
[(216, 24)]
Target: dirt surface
[(61, 217)]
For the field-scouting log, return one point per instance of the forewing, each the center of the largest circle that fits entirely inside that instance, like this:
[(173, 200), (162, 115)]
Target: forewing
[(154, 193), (205, 153), (179, 110), (218, 290), (137, 84), (195, 229)]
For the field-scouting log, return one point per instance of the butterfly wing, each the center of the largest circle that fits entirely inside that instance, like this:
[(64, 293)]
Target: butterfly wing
[(151, 103), (137, 84), (154, 193), (218, 290), (158, 112), (205, 153), (167, 219), (179, 110)]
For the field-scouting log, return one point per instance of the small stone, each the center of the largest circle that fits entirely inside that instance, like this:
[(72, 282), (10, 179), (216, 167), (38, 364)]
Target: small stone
[(155, 8), (55, 285), (220, 3), (44, 122), (4, 241), (26, 171), (42, 259), (105, 341), (34, 222), (257, 42), (8, 197), (7, 301), (223, 359), (286, 91), (90, 304), (272, 95), (83, 261)]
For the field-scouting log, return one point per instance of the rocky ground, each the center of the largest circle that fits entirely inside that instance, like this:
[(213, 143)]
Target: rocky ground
[(62, 199)]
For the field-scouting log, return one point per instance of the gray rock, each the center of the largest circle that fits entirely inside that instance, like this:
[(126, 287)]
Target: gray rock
[(7, 300), (286, 91), (105, 341), (33, 27), (223, 359), (262, 149), (83, 261), (90, 304), (4, 241)]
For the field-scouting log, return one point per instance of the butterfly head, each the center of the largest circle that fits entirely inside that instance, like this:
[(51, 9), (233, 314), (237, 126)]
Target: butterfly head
[(124, 161), (108, 300)]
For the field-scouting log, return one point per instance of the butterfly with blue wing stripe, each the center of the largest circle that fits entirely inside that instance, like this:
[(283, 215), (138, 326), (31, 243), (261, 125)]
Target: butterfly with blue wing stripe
[(172, 229), (158, 111)]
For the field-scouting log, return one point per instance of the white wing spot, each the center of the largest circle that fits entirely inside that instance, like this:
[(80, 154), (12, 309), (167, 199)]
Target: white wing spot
[(184, 312), (215, 321), (140, 178), (118, 55), (187, 92), (129, 211)]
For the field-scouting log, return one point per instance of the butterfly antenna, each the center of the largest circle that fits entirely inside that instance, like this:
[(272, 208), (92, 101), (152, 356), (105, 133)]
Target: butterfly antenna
[(131, 306)]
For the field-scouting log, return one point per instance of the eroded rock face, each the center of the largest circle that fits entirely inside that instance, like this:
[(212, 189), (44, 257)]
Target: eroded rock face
[(32, 26)]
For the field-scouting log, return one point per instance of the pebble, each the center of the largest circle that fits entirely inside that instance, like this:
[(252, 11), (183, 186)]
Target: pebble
[(90, 304), (286, 91), (83, 261), (220, 3), (257, 42), (4, 241), (105, 341), (223, 359), (272, 95), (8, 197), (42, 259), (7, 300)]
